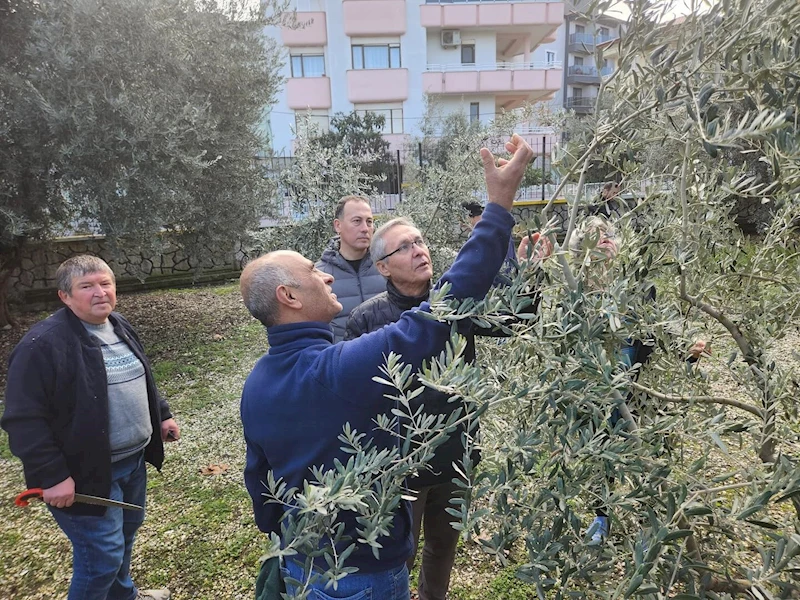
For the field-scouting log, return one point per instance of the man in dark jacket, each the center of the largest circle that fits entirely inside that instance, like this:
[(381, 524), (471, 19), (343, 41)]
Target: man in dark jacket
[(404, 259), (84, 415), (355, 277), (301, 394)]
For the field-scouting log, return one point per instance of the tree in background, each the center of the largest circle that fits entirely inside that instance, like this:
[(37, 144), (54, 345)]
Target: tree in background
[(138, 117), (361, 137), (309, 190), (701, 476)]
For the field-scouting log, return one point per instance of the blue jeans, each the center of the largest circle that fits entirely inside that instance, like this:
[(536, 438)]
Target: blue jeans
[(101, 546), (385, 585)]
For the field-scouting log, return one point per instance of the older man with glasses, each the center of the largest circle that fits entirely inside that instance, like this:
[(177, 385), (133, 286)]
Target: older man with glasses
[(405, 262)]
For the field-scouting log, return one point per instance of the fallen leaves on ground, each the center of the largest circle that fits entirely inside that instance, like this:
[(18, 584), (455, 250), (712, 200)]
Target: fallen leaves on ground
[(214, 469)]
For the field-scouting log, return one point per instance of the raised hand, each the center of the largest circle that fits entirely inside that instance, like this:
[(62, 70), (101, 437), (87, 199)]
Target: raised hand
[(503, 179), (700, 348), (542, 248)]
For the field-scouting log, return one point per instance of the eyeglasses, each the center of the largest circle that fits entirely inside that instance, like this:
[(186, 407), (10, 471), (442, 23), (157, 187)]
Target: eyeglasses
[(405, 247)]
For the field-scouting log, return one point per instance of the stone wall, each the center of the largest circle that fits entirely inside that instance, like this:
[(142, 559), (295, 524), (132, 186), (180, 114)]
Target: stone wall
[(525, 211), (37, 269)]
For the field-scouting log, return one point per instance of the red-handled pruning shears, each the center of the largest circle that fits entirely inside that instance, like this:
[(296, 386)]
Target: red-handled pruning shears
[(25, 497)]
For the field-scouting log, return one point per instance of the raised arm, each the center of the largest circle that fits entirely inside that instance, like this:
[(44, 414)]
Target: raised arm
[(416, 336)]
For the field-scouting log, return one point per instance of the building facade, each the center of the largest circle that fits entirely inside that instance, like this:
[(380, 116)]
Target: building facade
[(576, 45), (477, 57)]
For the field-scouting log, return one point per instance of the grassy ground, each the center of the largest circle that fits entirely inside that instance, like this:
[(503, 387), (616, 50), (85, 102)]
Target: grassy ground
[(198, 538)]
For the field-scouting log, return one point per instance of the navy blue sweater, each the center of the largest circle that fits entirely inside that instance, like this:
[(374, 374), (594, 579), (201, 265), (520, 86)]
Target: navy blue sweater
[(300, 394)]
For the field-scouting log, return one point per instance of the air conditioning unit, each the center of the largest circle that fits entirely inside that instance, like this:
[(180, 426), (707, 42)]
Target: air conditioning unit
[(451, 37)]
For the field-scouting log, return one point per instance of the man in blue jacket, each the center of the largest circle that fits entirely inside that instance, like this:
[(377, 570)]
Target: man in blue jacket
[(300, 394), (84, 415)]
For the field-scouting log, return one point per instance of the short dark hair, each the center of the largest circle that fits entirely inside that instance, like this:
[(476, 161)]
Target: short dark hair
[(343, 202), (473, 209)]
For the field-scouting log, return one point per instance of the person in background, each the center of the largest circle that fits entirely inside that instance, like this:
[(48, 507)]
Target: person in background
[(355, 277), (597, 237), (608, 205), (474, 212), (84, 415)]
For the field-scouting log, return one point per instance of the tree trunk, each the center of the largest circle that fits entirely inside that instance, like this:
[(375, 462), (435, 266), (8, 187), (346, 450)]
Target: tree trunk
[(9, 260)]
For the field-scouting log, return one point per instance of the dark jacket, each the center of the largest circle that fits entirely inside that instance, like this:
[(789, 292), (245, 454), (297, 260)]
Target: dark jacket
[(57, 406), (351, 288), (300, 395), (387, 308)]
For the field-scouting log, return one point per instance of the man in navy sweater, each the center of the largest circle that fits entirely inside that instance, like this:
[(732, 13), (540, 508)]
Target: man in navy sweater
[(301, 394)]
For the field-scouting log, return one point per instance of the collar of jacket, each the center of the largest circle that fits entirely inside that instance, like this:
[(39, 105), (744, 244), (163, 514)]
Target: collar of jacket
[(403, 301), (334, 257), (79, 330), (291, 337)]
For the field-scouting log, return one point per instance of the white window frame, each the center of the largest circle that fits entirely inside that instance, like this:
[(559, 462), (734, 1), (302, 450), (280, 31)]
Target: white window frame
[(393, 118), (302, 58), (358, 50)]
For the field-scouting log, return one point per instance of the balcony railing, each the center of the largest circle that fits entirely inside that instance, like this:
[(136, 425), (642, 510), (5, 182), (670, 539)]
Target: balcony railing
[(589, 71), (581, 102), (501, 66), (478, 1), (587, 39), (528, 130)]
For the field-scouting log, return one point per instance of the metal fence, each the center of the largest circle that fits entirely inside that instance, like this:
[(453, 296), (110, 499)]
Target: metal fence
[(391, 176)]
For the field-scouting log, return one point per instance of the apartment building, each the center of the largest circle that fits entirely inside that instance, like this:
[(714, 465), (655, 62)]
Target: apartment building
[(477, 57), (575, 46)]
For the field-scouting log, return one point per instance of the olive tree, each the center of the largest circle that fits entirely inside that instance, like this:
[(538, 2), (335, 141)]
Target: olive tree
[(138, 117), (699, 475)]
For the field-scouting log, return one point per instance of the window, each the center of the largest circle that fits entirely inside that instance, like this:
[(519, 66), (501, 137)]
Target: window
[(551, 57), (578, 61), (603, 32), (474, 112), (308, 65), (468, 54), (311, 123), (385, 56), (579, 29), (393, 118)]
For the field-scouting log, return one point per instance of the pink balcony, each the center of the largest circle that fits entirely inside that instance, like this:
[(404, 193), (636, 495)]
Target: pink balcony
[(377, 85), (374, 17), (314, 31), (529, 79), (308, 92), (495, 14)]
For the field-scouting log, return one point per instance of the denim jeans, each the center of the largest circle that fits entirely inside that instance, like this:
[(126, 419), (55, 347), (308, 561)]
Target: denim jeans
[(385, 585), (101, 546)]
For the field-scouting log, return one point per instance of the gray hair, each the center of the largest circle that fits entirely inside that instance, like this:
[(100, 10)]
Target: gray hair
[(589, 226), (78, 266), (377, 249), (259, 284)]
